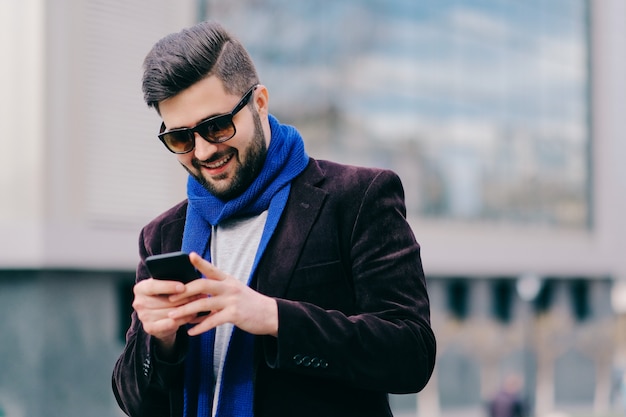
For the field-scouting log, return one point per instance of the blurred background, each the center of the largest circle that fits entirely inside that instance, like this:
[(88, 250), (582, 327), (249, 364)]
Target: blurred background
[(504, 118)]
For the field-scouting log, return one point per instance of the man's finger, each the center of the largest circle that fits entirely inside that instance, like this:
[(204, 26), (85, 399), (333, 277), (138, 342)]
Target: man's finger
[(194, 308), (206, 267), (153, 286), (205, 324)]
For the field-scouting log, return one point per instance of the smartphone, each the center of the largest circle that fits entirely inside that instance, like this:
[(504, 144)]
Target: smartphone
[(173, 266)]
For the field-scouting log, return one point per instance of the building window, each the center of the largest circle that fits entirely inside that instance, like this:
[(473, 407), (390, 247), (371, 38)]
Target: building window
[(543, 301), (481, 107), (579, 296), (503, 291), (458, 298)]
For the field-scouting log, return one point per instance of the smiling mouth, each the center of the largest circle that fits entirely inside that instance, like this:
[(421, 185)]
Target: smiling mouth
[(220, 163)]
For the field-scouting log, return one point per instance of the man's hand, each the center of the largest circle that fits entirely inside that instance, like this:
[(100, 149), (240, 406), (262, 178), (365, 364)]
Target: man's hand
[(226, 298), (153, 305)]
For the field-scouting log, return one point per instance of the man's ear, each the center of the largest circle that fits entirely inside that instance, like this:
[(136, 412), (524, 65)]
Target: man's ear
[(261, 100)]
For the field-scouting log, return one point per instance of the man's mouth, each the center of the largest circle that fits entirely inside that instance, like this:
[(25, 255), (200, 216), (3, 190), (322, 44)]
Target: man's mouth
[(219, 163)]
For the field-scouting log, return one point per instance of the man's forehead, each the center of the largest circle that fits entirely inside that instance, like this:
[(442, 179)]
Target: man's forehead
[(204, 99)]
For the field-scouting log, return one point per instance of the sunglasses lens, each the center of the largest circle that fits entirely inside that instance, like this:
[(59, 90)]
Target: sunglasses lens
[(217, 130), (178, 142)]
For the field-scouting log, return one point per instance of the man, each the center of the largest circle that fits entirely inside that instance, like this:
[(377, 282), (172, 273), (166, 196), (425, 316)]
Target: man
[(313, 300), (508, 401)]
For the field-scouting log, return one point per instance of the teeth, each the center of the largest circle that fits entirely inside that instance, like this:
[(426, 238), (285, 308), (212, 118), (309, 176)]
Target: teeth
[(219, 163)]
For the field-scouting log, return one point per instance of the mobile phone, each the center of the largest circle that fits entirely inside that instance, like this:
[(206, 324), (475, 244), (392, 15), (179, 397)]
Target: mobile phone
[(174, 266)]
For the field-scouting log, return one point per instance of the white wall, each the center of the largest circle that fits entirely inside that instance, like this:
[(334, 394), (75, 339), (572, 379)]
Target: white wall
[(81, 167), (21, 118)]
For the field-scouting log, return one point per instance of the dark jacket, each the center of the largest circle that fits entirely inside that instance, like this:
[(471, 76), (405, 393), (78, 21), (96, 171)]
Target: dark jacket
[(354, 320)]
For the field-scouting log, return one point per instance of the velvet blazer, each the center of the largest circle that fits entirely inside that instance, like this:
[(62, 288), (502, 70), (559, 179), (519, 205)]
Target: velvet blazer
[(354, 315)]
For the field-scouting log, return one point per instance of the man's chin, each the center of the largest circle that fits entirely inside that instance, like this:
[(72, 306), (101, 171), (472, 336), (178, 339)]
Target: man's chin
[(225, 189)]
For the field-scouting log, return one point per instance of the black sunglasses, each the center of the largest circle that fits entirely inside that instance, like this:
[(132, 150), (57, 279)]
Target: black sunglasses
[(216, 129)]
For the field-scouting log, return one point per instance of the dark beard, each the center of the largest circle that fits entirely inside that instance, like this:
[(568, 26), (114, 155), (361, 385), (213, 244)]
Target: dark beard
[(255, 154)]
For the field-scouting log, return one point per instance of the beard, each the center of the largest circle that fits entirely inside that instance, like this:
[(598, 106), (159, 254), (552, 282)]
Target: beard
[(250, 161)]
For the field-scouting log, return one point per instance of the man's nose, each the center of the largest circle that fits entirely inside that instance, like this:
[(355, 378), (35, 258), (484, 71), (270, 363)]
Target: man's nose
[(204, 149)]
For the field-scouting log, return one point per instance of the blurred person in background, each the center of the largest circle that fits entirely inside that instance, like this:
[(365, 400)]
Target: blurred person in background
[(311, 276), (508, 401)]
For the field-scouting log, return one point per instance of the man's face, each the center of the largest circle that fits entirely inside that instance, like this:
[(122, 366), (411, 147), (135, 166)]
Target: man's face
[(225, 169)]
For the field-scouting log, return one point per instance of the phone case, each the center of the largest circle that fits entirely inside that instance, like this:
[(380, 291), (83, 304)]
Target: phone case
[(172, 266)]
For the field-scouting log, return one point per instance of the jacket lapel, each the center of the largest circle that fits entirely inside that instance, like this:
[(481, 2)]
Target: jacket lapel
[(305, 201)]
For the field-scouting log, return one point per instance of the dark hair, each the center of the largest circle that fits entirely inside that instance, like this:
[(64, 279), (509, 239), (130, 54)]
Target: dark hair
[(181, 59)]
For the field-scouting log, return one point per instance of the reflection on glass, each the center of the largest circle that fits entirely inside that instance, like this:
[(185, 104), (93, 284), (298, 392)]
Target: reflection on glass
[(481, 107)]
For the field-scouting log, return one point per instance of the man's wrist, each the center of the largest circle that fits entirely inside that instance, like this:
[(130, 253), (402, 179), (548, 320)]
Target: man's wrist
[(273, 322), (166, 347)]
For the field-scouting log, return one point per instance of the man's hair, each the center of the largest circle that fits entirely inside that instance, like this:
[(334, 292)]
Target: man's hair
[(181, 59)]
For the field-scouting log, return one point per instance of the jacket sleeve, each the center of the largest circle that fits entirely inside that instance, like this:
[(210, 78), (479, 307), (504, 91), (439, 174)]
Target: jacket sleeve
[(377, 334), (143, 383)]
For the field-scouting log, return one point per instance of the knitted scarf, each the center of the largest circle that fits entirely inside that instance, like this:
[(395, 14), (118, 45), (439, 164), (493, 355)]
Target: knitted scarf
[(286, 158)]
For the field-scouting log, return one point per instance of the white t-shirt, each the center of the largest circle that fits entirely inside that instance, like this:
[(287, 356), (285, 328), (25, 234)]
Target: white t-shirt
[(234, 245)]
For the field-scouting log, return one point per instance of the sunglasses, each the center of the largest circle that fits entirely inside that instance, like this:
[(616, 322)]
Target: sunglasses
[(216, 129)]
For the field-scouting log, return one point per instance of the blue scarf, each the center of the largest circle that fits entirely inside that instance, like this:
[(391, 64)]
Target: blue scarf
[(286, 158)]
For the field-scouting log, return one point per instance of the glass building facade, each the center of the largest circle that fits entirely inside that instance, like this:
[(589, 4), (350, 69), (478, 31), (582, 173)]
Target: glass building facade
[(482, 107)]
